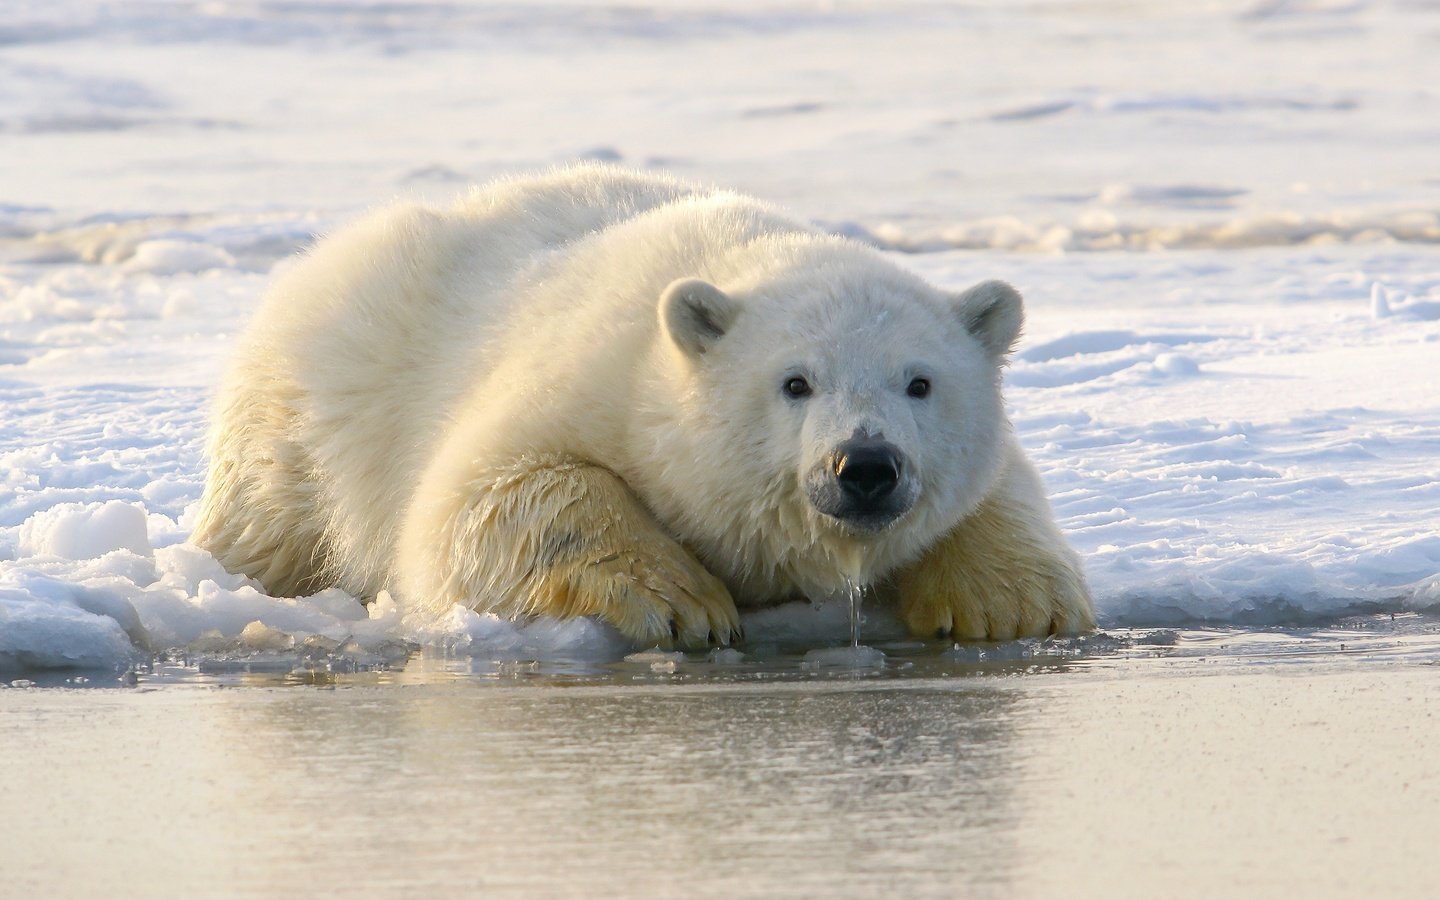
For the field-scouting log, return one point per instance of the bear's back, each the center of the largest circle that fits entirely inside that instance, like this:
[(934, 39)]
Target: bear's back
[(540, 212), (374, 337)]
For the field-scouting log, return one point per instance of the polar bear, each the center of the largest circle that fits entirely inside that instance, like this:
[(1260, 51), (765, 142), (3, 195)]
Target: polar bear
[(596, 392)]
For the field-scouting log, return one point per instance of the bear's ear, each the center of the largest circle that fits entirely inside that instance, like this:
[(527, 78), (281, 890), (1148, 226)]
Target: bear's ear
[(696, 314), (993, 312)]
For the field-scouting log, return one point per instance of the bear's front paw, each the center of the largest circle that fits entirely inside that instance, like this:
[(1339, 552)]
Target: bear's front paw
[(656, 595), (996, 602), (563, 539)]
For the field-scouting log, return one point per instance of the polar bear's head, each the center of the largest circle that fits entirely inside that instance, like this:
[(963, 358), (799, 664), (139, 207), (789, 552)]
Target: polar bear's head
[(837, 415)]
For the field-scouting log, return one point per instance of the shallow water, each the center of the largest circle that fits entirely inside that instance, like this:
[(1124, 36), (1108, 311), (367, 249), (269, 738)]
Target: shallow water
[(1135, 764)]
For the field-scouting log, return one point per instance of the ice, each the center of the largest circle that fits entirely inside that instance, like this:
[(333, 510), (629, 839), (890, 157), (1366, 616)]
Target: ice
[(1228, 379), (659, 661), (826, 620), (1379, 304), (49, 627), (852, 657), (262, 637), (465, 633), (655, 655)]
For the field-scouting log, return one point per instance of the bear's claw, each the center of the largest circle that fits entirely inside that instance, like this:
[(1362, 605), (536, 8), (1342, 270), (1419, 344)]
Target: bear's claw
[(970, 604), (1001, 573), (662, 597)]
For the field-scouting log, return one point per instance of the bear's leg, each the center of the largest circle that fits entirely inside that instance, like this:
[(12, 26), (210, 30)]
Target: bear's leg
[(559, 538), (1004, 572), (259, 514)]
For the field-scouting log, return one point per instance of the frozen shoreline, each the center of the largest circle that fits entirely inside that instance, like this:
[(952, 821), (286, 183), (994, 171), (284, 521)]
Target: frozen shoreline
[(1228, 379)]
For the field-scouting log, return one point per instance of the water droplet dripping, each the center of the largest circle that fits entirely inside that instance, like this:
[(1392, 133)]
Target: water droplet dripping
[(857, 594)]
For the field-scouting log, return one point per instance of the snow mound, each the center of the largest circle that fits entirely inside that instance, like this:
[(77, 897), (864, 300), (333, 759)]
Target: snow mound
[(169, 257), (86, 530)]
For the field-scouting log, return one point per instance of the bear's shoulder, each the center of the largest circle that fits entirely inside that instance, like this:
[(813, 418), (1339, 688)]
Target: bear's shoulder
[(582, 193)]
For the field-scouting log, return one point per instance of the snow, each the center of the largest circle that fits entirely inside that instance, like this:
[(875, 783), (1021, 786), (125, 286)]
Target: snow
[(1229, 374), (86, 531), (173, 257)]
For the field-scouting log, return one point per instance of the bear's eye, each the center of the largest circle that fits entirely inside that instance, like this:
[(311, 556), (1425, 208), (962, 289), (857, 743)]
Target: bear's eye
[(797, 387), (919, 388)]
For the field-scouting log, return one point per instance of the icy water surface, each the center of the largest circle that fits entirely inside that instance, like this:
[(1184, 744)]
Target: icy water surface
[(1139, 763)]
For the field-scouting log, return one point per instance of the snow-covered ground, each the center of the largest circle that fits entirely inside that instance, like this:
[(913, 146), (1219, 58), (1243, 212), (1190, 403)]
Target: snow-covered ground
[(1224, 215)]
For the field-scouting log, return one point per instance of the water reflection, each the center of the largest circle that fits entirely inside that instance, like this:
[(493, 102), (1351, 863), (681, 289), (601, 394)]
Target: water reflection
[(1204, 774), (800, 789)]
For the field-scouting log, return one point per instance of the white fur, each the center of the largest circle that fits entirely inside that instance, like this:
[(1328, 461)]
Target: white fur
[(418, 357)]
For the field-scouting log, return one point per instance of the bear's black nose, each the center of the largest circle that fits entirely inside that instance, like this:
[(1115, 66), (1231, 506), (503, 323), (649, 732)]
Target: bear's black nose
[(867, 471)]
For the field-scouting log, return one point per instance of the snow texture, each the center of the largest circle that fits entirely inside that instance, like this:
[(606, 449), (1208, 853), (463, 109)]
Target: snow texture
[(1229, 379)]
